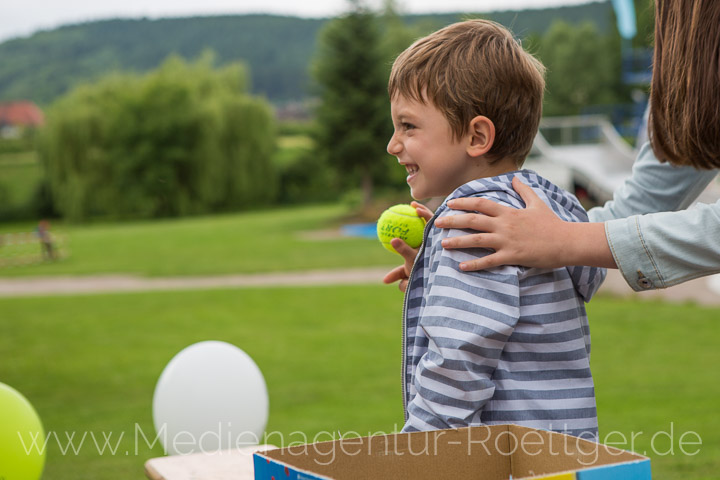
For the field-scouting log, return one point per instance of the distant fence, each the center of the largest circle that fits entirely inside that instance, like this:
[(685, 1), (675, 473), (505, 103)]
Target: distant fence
[(19, 249)]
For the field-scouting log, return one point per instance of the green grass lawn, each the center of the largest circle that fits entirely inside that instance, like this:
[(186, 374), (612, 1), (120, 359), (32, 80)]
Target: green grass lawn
[(260, 241), (330, 357), (655, 366), (90, 363)]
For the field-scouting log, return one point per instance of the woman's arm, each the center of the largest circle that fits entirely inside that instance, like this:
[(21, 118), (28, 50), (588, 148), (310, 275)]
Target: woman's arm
[(654, 187), (652, 251), (666, 248), (532, 237)]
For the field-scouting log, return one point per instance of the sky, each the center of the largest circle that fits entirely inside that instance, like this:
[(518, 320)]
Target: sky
[(23, 17)]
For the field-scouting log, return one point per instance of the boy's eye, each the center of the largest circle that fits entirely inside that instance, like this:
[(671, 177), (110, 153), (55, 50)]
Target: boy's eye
[(407, 126)]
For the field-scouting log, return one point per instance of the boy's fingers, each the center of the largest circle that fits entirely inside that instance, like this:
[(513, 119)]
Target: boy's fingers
[(422, 210), (480, 205), (425, 213), (403, 285), (397, 273), (404, 249), (526, 193)]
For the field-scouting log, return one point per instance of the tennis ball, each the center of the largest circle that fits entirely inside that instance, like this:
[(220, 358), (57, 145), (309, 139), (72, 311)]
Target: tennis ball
[(400, 221)]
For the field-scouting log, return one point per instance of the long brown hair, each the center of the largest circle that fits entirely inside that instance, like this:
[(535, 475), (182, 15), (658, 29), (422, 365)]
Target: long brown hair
[(684, 125)]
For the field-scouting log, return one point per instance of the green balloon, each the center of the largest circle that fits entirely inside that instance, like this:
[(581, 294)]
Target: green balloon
[(22, 439)]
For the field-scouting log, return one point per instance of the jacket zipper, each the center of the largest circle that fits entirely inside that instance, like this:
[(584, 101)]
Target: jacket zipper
[(404, 314)]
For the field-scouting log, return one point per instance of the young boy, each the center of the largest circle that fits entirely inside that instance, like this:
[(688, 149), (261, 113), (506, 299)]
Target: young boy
[(509, 344)]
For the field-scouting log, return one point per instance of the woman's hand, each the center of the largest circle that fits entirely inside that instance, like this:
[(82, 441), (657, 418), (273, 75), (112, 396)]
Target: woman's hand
[(402, 273), (533, 236)]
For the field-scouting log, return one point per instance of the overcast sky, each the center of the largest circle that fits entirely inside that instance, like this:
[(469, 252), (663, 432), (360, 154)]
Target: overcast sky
[(24, 17)]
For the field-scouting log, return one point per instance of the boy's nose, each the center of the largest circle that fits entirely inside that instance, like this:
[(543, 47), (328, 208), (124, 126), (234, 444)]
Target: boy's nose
[(393, 146)]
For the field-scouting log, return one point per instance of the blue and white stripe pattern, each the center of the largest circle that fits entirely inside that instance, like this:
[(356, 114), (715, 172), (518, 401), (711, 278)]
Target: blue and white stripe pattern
[(504, 345)]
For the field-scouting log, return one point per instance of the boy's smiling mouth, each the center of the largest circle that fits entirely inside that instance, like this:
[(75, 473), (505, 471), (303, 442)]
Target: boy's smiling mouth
[(412, 170)]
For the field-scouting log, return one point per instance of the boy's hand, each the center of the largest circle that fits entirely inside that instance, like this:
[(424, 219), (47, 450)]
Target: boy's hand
[(402, 273), (422, 210)]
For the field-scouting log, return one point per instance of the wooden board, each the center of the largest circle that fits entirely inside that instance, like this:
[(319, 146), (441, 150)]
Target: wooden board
[(236, 464)]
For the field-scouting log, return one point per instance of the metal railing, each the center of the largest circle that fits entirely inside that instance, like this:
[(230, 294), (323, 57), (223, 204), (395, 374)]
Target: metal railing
[(590, 148)]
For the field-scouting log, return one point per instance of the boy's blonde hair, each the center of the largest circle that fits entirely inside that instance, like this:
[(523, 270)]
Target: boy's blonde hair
[(474, 68)]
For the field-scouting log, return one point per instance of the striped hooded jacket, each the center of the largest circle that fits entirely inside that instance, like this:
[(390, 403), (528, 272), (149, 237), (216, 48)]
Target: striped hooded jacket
[(504, 345)]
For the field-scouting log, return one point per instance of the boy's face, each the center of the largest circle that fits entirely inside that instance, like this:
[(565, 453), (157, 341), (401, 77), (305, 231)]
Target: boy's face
[(423, 142)]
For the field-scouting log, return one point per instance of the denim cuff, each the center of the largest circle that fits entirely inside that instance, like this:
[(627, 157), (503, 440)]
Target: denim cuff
[(636, 264)]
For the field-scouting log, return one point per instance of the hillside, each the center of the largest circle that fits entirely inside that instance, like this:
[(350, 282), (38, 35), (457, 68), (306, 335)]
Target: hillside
[(277, 49)]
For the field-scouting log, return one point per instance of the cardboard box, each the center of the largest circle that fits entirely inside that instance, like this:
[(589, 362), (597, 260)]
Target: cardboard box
[(479, 453)]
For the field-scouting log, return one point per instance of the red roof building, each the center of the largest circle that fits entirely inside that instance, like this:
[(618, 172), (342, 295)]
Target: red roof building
[(21, 114)]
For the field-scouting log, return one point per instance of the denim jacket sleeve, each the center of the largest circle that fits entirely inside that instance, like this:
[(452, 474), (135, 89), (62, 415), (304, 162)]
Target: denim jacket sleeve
[(668, 247)]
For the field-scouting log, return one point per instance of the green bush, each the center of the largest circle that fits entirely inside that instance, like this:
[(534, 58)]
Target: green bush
[(184, 139), (16, 145), (305, 178), (21, 177)]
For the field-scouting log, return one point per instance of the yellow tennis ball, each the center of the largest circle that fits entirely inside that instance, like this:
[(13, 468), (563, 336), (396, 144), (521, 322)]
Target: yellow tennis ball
[(400, 221)]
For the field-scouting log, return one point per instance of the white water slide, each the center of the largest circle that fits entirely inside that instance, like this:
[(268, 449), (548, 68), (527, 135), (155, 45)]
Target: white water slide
[(587, 153)]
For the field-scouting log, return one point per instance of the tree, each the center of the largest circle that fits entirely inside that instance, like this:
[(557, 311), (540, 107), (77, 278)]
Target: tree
[(353, 115), (645, 12), (396, 34), (183, 139), (583, 68)]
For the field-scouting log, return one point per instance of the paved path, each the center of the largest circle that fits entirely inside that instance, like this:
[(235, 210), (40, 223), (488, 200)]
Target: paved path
[(72, 285), (704, 291)]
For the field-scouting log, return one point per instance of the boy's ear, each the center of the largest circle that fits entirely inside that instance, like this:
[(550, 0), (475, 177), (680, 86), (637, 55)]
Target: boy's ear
[(482, 136)]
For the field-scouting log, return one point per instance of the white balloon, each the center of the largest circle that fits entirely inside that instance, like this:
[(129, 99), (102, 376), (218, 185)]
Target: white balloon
[(210, 397)]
